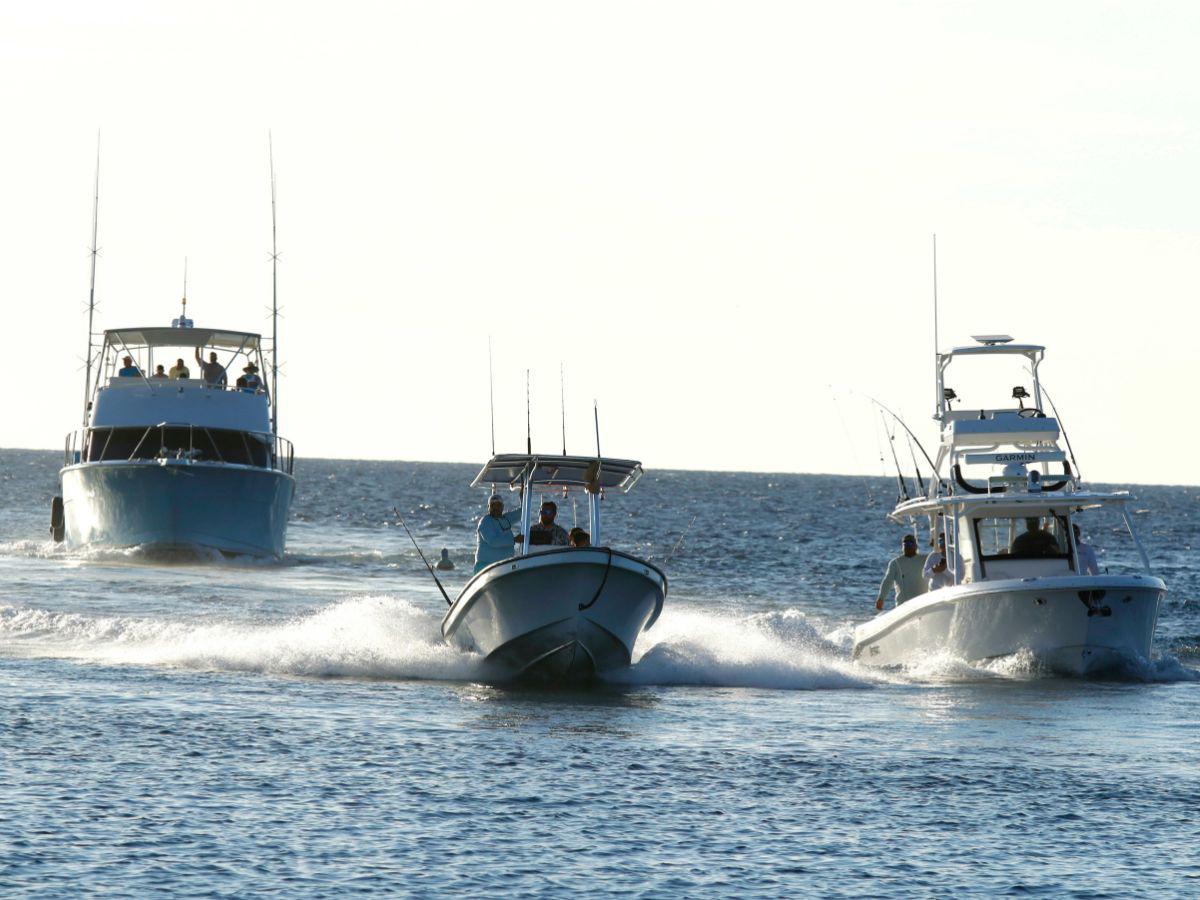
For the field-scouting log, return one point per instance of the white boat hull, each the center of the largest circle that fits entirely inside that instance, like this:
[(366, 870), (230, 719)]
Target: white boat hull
[(1075, 625), (174, 505), (562, 615)]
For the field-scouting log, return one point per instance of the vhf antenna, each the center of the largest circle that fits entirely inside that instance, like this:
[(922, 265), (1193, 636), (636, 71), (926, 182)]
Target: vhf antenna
[(936, 345), (87, 381), (562, 404), (528, 427), (183, 310)]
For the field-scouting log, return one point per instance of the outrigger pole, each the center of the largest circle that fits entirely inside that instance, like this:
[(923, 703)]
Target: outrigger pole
[(87, 381), (491, 395), (274, 298)]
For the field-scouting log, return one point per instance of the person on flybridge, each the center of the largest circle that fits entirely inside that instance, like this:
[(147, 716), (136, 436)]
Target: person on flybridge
[(494, 533), (212, 371), (905, 573)]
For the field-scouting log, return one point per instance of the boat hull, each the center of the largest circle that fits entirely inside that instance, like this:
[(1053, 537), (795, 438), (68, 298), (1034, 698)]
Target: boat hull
[(1075, 625), (175, 505), (561, 616)]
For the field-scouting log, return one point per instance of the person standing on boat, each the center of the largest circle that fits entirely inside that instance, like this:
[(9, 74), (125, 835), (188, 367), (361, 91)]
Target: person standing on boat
[(939, 568), (1088, 563), (179, 370), (904, 573), (212, 371), (494, 532), (250, 383), (129, 370), (543, 532)]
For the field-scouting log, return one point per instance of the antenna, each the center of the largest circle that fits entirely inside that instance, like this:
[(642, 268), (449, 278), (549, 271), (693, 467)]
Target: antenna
[(183, 310), (562, 404), (274, 297), (87, 381), (596, 414), (528, 428), (491, 395)]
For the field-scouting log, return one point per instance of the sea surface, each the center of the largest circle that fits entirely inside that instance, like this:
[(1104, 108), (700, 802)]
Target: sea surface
[(234, 728)]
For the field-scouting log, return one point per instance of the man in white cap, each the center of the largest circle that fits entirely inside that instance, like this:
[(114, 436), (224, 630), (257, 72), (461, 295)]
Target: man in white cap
[(494, 532), (904, 573)]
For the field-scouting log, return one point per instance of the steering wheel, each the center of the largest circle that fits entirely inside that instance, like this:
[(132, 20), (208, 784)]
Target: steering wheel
[(1031, 412)]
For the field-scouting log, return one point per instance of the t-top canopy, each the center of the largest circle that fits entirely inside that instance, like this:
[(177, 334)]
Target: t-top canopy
[(181, 337), (558, 471), (995, 347)]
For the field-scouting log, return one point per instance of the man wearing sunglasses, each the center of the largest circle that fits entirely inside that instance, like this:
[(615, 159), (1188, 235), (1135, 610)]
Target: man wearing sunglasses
[(543, 532)]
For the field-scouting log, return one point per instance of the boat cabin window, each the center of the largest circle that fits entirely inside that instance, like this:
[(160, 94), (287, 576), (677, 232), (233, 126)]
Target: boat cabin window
[(154, 442), (1023, 537)]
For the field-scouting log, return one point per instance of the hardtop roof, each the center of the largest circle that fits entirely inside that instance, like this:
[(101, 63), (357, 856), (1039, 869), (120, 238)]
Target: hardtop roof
[(160, 336)]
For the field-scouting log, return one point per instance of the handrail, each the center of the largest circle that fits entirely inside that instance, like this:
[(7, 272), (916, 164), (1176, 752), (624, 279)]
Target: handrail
[(151, 381)]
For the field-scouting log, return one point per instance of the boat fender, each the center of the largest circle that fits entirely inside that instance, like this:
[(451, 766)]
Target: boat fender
[(603, 581), (57, 527)]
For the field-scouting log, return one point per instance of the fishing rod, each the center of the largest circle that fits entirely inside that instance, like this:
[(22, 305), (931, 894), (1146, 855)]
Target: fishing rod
[(436, 580), (850, 443), (679, 543), (1063, 429), (899, 421), (903, 495), (916, 468)]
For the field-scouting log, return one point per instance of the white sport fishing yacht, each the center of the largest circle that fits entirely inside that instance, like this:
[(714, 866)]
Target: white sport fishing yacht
[(561, 614), (1015, 580), (177, 464)]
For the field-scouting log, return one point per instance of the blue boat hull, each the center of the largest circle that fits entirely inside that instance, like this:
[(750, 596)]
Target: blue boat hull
[(177, 505)]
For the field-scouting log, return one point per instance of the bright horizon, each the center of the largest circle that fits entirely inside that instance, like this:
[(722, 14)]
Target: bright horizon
[(717, 216)]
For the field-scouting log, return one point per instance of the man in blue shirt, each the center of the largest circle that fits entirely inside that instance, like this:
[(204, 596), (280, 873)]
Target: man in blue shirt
[(494, 532), (130, 370)]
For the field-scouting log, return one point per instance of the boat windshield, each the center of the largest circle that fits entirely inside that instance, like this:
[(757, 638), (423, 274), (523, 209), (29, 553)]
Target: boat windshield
[(990, 382), (1023, 537)]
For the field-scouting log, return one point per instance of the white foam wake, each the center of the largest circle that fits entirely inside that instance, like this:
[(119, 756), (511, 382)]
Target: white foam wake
[(777, 650), (375, 637)]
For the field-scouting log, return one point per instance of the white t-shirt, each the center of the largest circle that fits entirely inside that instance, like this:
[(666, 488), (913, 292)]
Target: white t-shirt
[(942, 579), (1088, 564)]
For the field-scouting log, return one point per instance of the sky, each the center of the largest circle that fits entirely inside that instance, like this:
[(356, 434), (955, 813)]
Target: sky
[(717, 217)]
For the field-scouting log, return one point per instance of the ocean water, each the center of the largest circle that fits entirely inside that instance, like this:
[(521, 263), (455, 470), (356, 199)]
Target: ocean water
[(237, 728)]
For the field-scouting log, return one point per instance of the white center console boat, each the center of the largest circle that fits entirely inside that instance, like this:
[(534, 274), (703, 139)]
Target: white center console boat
[(1017, 578), (562, 614)]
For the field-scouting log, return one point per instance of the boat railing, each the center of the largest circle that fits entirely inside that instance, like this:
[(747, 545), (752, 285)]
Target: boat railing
[(181, 442), (124, 382)]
